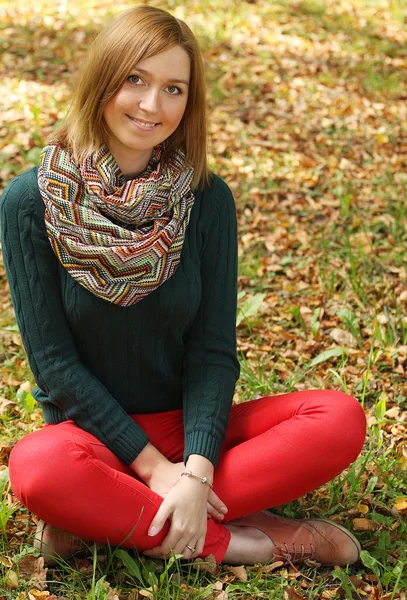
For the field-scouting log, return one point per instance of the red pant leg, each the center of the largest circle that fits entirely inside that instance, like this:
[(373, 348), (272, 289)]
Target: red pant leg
[(71, 480), (280, 448), (276, 449)]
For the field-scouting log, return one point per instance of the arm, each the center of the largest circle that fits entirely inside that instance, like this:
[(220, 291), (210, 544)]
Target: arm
[(211, 367), (32, 271)]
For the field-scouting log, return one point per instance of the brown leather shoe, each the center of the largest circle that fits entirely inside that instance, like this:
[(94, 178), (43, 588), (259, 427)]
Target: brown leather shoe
[(55, 543), (297, 540)]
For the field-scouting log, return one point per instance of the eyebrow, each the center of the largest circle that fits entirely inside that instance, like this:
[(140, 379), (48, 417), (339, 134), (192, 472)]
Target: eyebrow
[(171, 79)]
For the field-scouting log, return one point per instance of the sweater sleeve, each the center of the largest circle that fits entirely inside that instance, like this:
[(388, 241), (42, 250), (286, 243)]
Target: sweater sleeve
[(32, 272), (210, 365)]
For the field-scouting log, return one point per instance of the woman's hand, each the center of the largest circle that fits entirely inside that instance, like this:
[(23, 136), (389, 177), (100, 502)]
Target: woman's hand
[(166, 475), (185, 505)]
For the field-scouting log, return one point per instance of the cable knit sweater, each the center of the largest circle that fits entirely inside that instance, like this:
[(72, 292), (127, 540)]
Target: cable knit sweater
[(96, 363)]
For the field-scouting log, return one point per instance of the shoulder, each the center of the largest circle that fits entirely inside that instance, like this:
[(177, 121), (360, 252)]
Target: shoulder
[(217, 189), (22, 192), (21, 206), (214, 199)]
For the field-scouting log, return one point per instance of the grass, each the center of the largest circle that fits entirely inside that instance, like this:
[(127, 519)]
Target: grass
[(308, 127)]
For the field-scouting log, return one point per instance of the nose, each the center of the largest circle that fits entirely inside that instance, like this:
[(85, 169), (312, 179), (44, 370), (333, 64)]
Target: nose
[(150, 101)]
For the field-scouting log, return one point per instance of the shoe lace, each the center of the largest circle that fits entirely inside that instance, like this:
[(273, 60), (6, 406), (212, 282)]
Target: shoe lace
[(296, 554)]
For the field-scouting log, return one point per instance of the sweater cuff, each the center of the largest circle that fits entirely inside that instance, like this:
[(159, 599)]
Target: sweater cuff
[(204, 444), (128, 445)]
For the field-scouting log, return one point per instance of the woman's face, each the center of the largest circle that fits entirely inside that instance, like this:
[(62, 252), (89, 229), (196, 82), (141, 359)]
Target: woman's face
[(148, 108)]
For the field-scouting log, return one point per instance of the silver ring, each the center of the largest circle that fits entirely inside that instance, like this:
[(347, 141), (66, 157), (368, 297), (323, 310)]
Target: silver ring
[(191, 548)]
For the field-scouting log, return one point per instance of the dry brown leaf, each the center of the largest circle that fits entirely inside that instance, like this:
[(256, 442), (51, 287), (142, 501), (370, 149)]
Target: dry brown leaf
[(222, 596), (26, 387), (206, 564), (274, 565), (393, 412), (32, 569), (362, 524), (26, 567), (343, 337), (239, 571), (6, 561), (148, 593)]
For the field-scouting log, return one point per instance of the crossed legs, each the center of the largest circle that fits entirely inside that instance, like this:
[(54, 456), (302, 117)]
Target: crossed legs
[(276, 449)]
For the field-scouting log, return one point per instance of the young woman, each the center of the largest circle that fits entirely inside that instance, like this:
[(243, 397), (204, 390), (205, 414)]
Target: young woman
[(121, 254)]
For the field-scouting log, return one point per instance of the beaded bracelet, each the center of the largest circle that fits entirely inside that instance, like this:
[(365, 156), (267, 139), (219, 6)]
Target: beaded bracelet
[(189, 473)]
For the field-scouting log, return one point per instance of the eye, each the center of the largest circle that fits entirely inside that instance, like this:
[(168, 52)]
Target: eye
[(174, 90), (135, 79)]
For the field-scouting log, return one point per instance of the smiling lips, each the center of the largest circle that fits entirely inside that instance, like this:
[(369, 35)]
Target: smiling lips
[(147, 125)]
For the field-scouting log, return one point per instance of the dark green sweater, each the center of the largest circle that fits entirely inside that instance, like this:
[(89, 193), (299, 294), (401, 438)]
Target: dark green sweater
[(96, 362)]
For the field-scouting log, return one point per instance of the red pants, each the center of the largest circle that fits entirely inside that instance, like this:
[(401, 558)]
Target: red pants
[(277, 449)]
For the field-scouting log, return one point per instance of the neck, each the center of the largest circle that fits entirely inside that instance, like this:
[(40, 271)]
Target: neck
[(131, 165)]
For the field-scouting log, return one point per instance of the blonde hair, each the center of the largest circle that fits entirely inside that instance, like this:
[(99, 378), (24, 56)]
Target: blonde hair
[(134, 35)]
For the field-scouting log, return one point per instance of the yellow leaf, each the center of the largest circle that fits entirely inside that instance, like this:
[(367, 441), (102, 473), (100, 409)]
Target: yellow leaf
[(400, 504), (363, 508), (382, 138), (38, 595), (11, 580), (362, 525)]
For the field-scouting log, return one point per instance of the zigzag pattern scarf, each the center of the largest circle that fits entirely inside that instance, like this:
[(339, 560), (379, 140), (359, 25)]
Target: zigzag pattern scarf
[(119, 239)]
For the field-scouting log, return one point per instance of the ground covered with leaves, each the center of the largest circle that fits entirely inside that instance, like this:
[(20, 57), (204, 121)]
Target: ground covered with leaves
[(309, 128)]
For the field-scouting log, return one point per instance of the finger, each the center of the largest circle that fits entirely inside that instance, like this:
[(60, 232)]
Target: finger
[(159, 520), (217, 503), (175, 540), (199, 546), (189, 550), (213, 512)]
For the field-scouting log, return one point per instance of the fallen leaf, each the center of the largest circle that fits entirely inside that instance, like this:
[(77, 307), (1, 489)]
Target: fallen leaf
[(26, 386), (343, 338), (35, 594), (148, 593), (362, 524), (240, 572), (11, 580), (206, 564), (400, 504), (26, 566), (363, 508), (32, 569), (274, 565), (6, 561)]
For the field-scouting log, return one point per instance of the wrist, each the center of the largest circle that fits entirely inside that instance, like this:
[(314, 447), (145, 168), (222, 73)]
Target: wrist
[(200, 465), (147, 461)]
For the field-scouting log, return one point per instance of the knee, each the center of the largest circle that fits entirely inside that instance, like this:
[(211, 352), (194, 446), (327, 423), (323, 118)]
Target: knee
[(348, 424), (340, 424), (32, 469)]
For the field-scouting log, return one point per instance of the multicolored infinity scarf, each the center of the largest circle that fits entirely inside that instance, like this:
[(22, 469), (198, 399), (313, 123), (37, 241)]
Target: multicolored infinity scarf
[(119, 239)]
